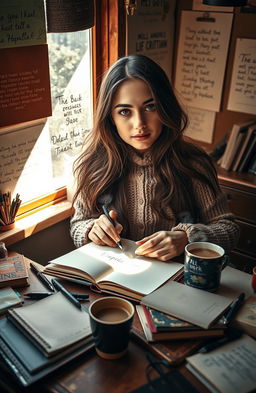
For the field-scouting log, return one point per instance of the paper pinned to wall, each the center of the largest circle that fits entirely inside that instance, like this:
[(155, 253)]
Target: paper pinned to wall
[(26, 151), (22, 23), (201, 124), (150, 32), (200, 68), (242, 95)]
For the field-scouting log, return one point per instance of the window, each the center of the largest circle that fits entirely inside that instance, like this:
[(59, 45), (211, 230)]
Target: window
[(41, 153)]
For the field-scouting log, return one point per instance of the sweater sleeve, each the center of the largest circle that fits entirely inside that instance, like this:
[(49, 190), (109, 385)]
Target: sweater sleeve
[(80, 225), (216, 224)]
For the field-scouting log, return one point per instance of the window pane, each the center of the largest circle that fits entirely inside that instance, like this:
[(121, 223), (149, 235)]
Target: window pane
[(70, 72)]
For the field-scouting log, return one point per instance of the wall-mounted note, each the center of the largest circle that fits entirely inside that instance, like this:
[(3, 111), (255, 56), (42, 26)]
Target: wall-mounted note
[(151, 30), (22, 23), (242, 95), (201, 60), (201, 124), (24, 84), (26, 151)]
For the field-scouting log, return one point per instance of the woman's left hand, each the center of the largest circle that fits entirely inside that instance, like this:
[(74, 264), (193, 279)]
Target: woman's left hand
[(162, 245)]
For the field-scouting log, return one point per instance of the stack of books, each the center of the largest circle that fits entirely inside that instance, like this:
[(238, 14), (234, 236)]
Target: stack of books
[(240, 151), (158, 326), (39, 338)]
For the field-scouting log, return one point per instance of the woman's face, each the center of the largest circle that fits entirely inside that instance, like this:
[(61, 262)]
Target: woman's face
[(135, 116)]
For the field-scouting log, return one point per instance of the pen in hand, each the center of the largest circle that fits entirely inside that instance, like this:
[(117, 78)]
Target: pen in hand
[(41, 277), (66, 293), (106, 212)]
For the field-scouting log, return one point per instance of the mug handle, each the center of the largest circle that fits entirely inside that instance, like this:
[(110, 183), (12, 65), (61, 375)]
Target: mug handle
[(225, 261)]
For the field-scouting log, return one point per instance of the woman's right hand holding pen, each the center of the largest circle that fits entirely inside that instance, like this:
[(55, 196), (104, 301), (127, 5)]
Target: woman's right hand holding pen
[(103, 232)]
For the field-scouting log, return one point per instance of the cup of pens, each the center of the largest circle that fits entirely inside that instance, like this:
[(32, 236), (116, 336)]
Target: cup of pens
[(8, 210)]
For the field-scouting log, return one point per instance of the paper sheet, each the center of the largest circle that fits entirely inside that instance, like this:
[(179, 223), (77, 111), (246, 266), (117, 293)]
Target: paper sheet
[(242, 95), (201, 60)]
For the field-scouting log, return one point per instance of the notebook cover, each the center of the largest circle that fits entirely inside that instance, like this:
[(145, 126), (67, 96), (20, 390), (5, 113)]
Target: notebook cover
[(10, 362), (43, 323), (27, 353)]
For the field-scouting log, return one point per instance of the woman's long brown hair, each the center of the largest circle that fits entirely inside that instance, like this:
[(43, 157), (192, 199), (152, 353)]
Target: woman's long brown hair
[(105, 160)]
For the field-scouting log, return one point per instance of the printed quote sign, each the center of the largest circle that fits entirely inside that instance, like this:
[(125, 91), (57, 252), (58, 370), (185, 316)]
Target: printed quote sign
[(202, 53), (242, 95), (24, 84)]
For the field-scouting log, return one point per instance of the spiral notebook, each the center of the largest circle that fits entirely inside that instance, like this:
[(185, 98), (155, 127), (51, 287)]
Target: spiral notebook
[(52, 323)]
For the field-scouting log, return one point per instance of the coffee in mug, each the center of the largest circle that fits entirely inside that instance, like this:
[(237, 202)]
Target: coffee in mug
[(203, 264), (111, 320)]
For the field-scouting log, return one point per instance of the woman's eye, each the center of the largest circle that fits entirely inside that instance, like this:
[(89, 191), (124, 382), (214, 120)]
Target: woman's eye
[(150, 107), (124, 112)]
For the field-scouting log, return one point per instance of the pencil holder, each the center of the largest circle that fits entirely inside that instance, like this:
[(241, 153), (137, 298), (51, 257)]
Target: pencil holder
[(7, 227)]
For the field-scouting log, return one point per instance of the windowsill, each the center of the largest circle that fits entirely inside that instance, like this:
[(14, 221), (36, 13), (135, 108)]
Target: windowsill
[(36, 222)]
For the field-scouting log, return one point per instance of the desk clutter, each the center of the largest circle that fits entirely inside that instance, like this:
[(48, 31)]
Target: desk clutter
[(34, 344), (37, 339)]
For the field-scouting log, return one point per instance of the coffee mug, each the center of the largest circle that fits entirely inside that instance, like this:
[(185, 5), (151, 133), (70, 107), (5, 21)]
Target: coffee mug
[(111, 320), (203, 264)]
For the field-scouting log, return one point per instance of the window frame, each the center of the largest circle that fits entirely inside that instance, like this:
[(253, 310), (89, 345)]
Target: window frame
[(108, 44)]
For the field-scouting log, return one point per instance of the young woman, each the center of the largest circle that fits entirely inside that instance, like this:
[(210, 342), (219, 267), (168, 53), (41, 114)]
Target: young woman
[(161, 191)]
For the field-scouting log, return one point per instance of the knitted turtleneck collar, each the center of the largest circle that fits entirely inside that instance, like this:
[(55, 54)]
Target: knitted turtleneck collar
[(141, 159)]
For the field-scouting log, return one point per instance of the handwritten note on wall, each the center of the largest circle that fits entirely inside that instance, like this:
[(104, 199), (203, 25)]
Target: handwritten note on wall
[(24, 84), (22, 23), (26, 152), (201, 60), (201, 124), (242, 95), (151, 30)]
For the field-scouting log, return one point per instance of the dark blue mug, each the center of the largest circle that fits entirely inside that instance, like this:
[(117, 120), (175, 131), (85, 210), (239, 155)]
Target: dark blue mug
[(111, 321), (203, 264)]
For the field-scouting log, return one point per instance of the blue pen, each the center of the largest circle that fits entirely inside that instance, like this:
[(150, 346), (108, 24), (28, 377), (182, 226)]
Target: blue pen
[(234, 308)]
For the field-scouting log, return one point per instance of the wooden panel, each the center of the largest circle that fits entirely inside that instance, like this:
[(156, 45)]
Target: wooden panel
[(247, 241), (242, 262), (241, 204)]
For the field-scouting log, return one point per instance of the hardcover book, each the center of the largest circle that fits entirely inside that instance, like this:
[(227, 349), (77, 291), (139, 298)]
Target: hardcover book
[(114, 271), (13, 272), (245, 319), (159, 326)]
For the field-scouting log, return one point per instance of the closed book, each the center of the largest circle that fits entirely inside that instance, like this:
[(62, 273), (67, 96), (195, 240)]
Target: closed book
[(180, 330), (174, 352), (245, 319), (235, 137), (250, 151), (52, 323), (115, 271), (9, 299), (252, 164), (13, 272), (25, 362), (244, 146)]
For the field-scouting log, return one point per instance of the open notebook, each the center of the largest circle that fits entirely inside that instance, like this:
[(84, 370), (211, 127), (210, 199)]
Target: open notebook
[(114, 271)]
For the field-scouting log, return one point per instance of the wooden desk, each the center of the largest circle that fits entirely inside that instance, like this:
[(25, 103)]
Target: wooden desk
[(91, 374)]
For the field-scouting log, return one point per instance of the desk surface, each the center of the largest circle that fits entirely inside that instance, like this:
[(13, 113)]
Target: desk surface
[(91, 374)]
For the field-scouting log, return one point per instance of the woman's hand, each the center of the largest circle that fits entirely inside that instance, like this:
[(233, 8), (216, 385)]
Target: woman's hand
[(162, 245), (103, 232)]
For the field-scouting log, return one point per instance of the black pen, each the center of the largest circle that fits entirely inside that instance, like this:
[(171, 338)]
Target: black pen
[(233, 335), (41, 277), (41, 295), (106, 212), (66, 293), (234, 308)]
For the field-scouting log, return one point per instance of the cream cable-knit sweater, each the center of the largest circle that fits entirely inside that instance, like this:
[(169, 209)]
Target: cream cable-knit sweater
[(217, 223)]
